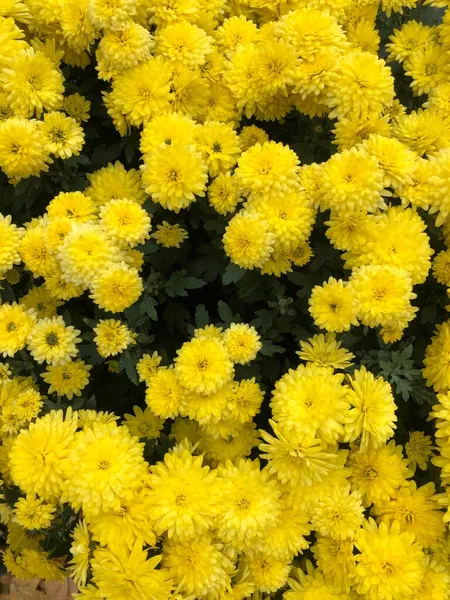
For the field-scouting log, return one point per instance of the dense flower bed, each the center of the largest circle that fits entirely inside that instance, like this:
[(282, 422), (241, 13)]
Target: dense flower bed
[(223, 318)]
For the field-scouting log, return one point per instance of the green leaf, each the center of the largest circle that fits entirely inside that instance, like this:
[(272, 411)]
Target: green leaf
[(201, 316), (128, 362), (269, 349), (178, 284), (147, 306), (232, 274), (225, 312)]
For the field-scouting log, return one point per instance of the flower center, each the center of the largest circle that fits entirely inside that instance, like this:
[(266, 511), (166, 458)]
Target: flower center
[(52, 339), (104, 465), (244, 504)]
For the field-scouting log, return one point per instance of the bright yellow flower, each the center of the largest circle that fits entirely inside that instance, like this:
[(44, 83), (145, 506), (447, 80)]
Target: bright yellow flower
[(52, 341), (63, 137), (68, 379), (144, 423), (112, 337), (169, 236)]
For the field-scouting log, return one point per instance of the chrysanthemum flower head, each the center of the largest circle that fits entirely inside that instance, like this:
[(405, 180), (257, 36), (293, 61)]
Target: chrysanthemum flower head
[(249, 503), (219, 145), (223, 193), (412, 36), (311, 585), (270, 169), (33, 513), (437, 371), (247, 240), (169, 236), (67, 379), (127, 573), (203, 365), (112, 337), (143, 91), (424, 131), (335, 559), (169, 129), (390, 563), (338, 514), (111, 14), (108, 464), (362, 85), (308, 30), (32, 82), (174, 175), (143, 423), (16, 323), (37, 454), (77, 107), (115, 182), (10, 236), (242, 342), (235, 31), (198, 566), (350, 132), (313, 400), (325, 350), (417, 511), (182, 42), (428, 67), (383, 294), (22, 149), (419, 448), (183, 497), (296, 457), (85, 252), (164, 394), (52, 341), (63, 136), (372, 416), (379, 473), (333, 305), (352, 181)]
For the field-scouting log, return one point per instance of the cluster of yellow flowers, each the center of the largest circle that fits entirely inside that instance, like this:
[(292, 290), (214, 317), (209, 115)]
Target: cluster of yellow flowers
[(207, 522)]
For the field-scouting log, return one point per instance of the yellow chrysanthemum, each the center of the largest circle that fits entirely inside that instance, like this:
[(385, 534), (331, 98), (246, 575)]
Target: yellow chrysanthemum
[(143, 423), (108, 465), (412, 36), (71, 205), (333, 306), (310, 585), (325, 351), (198, 566), (112, 337), (203, 365), (164, 395), (428, 67), (338, 514), (372, 415), (125, 221), (33, 513), (16, 323), (242, 343), (115, 182), (52, 341), (22, 149), (37, 454), (170, 129), (419, 448), (68, 379), (169, 236), (379, 473), (183, 496), (183, 43), (63, 137), (174, 175), (352, 181), (32, 82), (116, 288), (77, 107), (390, 563), (362, 85), (247, 240), (147, 366), (268, 170), (81, 553), (10, 236), (416, 510)]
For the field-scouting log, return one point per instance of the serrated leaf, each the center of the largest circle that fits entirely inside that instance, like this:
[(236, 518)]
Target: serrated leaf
[(232, 274), (147, 306), (201, 316), (178, 283), (225, 312), (269, 349), (128, 362)]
